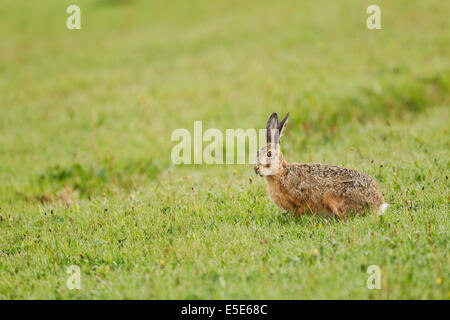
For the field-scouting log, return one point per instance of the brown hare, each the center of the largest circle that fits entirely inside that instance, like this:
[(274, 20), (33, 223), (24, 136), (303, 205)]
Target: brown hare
[(314, 188)]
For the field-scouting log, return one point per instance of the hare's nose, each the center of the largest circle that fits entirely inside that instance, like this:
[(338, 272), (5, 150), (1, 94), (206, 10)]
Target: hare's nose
[(256, 169)]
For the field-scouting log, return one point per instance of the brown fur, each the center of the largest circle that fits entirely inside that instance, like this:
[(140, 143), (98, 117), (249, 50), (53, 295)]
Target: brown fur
[(316, 188), (319, 188)]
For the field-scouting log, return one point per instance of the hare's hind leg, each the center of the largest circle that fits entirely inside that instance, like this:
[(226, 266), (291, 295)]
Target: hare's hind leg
[(334, 205)]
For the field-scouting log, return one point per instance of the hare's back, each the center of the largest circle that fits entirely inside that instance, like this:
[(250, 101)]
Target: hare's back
[(324, 172), (343, 182)]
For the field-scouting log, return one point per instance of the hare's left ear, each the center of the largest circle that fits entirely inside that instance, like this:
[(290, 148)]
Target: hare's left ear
[(282, 126), (272, 128)]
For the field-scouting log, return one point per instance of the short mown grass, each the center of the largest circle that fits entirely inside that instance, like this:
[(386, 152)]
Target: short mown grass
[(85, 171)]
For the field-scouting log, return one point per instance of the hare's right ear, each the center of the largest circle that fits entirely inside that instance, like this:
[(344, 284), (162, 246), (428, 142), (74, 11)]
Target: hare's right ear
[(272, 128), (282, 126)]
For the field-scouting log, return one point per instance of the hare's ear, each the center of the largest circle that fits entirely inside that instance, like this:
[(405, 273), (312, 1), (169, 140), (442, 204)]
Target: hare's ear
[(272, 128), (282, 126)]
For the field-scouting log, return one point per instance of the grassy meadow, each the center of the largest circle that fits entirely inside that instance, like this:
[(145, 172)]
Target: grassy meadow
[(86, 176)]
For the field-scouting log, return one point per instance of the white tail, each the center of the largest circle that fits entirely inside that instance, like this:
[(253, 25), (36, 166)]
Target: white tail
[(382, 209)]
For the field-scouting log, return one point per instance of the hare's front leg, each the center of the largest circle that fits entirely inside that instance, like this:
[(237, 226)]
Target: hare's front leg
[(298, 211)]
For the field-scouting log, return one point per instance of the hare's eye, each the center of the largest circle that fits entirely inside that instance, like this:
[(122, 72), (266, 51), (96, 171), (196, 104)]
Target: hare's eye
[(269, 154)]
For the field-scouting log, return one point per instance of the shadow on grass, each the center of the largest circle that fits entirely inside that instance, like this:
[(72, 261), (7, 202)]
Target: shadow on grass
[(315, 220), (86, 181), (392, 99)]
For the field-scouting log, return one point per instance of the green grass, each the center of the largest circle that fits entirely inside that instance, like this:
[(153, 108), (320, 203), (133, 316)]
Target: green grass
[(85, 171)]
